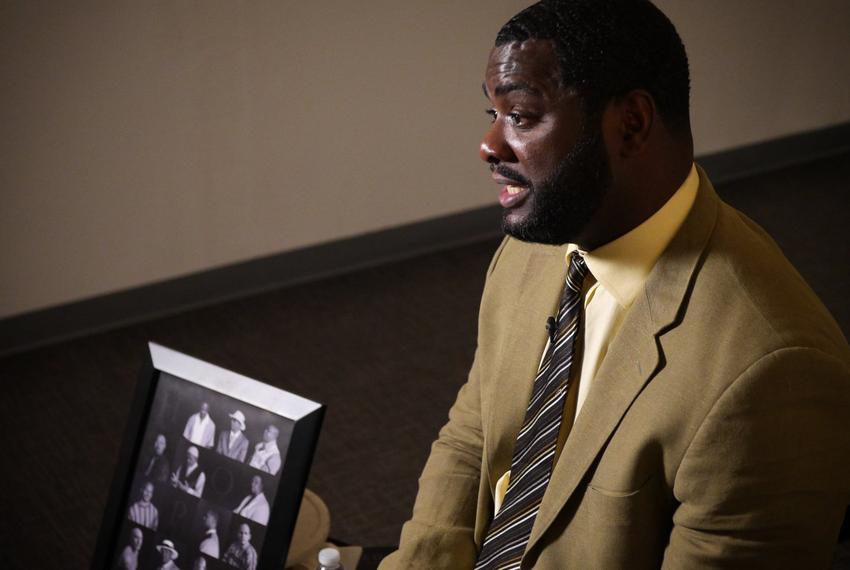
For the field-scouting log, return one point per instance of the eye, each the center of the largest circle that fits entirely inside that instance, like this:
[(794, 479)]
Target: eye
[(515, 118), (492, 114)]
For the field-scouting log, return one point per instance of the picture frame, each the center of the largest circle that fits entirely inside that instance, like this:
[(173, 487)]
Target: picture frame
[(208, 457)]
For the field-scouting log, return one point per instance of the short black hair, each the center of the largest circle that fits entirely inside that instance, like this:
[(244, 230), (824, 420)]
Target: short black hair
[(606, 48)]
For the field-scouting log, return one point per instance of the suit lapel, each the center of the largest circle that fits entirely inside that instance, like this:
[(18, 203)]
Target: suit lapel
[(634, 356), (632, 359), (520, 353)]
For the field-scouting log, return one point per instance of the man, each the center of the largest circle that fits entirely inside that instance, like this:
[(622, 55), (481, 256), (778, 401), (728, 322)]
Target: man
[(266, 453), (155, 466), (168, 554), (143, 511), (233, 443), (209, 544), (240, 553), (200, 429), (129, 559), (189, 478), (255, 506), (686, 404)]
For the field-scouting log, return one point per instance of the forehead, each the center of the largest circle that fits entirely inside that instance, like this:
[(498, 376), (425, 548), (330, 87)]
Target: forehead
[(532, 63)]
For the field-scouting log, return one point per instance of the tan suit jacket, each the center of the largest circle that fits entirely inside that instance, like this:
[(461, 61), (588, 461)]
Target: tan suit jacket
[(715, 434)]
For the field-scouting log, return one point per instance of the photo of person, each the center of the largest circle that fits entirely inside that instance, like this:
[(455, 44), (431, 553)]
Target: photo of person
[(129, 559), (241, 554), (266, 455), (189, 477), (192, 487), (209, 544), (155, 466), (232, 443), (143, 512), (168, 554), (255, 506), (200, 429)]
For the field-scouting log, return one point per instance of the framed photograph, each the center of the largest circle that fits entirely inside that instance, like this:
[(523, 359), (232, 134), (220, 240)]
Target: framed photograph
[(211, 470)]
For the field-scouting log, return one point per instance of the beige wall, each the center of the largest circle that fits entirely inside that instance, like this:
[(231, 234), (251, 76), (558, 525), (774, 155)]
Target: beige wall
[(154, 139), (762, 69)]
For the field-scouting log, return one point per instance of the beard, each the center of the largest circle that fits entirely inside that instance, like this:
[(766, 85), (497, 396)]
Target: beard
[(563, 204)]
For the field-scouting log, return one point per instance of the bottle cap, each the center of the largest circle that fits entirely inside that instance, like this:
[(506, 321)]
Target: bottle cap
[(329, 557)]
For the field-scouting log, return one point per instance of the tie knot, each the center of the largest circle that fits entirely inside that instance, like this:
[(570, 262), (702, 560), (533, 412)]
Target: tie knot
[(576, 272)]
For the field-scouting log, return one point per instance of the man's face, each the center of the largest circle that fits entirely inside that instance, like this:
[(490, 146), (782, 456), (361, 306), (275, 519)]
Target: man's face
[(270, 434), (159, 445), (166, 555), (234, 425), (136, 539), (205, 409), (244, 534), (549, 158), (147, 492), (191, 460), (256, 485)]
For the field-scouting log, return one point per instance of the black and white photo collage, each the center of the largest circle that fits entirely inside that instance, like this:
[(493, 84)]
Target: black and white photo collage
[(204, 483)]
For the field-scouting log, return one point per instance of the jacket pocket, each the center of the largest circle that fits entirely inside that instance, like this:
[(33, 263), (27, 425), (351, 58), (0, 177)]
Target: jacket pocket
[(628, 526), (618, 494)]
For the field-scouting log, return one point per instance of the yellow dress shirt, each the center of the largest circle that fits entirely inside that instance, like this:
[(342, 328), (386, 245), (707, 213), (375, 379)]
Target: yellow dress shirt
[(617, 273)]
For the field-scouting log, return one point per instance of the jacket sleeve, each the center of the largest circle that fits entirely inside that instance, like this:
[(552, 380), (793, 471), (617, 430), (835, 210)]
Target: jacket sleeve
[(766, 480), (243, 450), (440, 533)]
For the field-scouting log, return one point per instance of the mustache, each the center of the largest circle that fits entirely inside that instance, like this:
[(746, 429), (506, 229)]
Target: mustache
[(510, 174)]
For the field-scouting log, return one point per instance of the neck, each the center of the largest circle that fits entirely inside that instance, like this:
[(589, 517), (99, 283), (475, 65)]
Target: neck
[(636, 193)]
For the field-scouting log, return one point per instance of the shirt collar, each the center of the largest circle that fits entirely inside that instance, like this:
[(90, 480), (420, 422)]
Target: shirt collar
[(622, 266)]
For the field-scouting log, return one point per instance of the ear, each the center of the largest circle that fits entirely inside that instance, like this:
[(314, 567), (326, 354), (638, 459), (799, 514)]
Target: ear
[(634, 116)]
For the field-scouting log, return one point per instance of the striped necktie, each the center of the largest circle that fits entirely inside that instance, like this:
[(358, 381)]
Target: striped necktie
[(534, 451)]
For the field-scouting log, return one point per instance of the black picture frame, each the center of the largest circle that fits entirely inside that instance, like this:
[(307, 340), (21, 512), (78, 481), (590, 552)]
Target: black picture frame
[(170, 385)]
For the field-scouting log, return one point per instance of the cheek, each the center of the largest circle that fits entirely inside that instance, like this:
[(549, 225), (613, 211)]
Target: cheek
[(540, 162), (540, 155)]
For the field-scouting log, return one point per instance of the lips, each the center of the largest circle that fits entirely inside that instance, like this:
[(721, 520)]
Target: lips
[(512, 196)]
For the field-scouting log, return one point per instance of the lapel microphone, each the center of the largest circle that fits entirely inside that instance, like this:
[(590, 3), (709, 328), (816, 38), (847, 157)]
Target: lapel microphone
[(552, 328)]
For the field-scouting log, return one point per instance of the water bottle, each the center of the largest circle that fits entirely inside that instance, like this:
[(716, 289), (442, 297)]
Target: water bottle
[(329, 559)]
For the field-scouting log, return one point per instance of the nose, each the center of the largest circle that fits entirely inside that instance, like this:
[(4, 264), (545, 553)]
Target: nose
[(494, 148)]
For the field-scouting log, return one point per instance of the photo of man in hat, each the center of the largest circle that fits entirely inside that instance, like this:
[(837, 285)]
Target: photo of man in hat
[(189, 477), (144, 512), (129, 559), (266, 453), (232, 443), (241, 553), (255, 506), (168, 555)]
